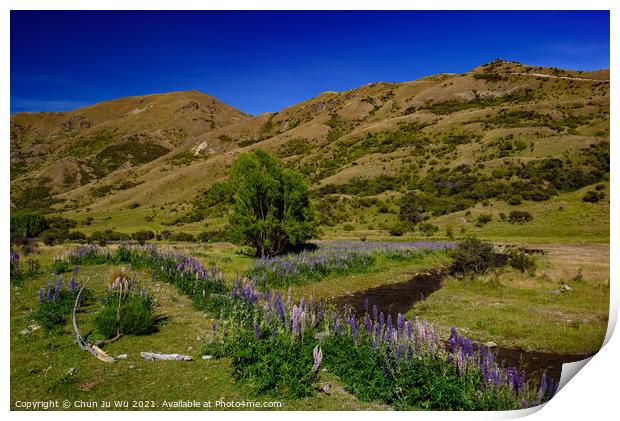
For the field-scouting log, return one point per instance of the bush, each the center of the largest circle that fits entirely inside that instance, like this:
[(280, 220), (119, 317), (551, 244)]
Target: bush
[(28, 224), (273, 365), (519, 217), (136, 315), (521, 261), (56, 304), (348, 227), (51, 237), (473, 256), (592, 196), (397, 230), (483, 218), (182, 237), (428, 229), (142, 236)]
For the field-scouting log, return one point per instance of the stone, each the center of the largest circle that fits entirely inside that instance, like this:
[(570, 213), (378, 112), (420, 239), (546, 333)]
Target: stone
[(132, 366), (564, 288), (207, 357), (326, 388), (122, 357), (490, 344), (71, 371)]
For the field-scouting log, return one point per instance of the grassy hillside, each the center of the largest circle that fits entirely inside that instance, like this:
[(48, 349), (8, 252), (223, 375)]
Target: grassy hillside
[(449, 146)]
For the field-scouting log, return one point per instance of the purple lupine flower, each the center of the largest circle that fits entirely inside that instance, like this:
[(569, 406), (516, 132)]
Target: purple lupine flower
[(40, 295), (366, 304), (381, 320), (543, 388), (49, 291), (374, 312), (353, 324), (257, 330), (389, 322), (143, 293), (273, 332), (213, 327), (368, 323), (400, 321), (409, 329), (75, 270), (317, 355)]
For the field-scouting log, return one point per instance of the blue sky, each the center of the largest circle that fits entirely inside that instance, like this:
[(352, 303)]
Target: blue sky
[(264, 61)]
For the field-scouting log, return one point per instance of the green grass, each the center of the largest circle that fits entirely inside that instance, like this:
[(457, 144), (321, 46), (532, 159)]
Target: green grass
[(516, 310), (40, 360), (565, 218)]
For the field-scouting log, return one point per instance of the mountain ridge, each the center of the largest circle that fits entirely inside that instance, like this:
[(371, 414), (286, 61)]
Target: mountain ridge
[(496, 113)]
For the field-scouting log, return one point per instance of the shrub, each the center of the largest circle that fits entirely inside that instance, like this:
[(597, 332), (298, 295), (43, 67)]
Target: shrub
[(51, 237), (521, 261), (519, 217), (514, 200), (397, 230), (55, 304), (28, 224), (273, 364), (473, 256), (428, 229), (483, 218), (125, 310), (348, 227), (182, 237), (592, 196), (142, 236)]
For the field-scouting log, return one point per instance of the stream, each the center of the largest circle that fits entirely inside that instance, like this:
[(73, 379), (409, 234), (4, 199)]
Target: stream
[(400, 298)]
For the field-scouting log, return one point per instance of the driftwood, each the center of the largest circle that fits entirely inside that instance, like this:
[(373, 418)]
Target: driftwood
[(152, 356), (86, 346)]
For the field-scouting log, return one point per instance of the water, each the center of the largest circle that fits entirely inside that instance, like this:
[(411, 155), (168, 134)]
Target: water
[(400, 298)]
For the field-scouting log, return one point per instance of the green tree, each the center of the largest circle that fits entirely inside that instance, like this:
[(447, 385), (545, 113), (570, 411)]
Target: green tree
[(272, 210)]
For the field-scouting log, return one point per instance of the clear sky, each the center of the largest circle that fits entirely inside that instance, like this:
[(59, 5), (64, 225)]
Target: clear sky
[(264, 61)]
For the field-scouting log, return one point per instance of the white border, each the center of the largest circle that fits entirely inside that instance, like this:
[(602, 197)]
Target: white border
[(592, 394)]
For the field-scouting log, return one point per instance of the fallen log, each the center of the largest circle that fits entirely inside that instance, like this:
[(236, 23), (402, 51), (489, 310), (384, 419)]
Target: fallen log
[(86, 346), (153, 356)]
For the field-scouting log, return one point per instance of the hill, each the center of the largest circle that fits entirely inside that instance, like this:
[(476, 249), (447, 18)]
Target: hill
[(376, 156)]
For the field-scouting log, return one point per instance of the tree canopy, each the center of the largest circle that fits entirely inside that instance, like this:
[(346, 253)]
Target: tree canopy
[(272, 210)]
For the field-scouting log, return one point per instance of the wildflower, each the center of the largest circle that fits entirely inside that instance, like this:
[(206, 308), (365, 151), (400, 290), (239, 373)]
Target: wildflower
[(374, 311), (317, 354), (543, 388), (257, 330), (366, 304), (214, 327), (40, 295)]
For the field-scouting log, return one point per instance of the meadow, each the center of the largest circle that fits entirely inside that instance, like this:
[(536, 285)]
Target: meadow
[(246, 314)]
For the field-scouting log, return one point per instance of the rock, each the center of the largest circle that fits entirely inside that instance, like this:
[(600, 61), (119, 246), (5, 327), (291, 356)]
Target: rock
[(207, 357), (198, 338), (71, 371), (132, 366), (564, 288), (122, 357), (490, 344), (555, 292), (190, 348), (152, 356), (30, 329), (326, 388)]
